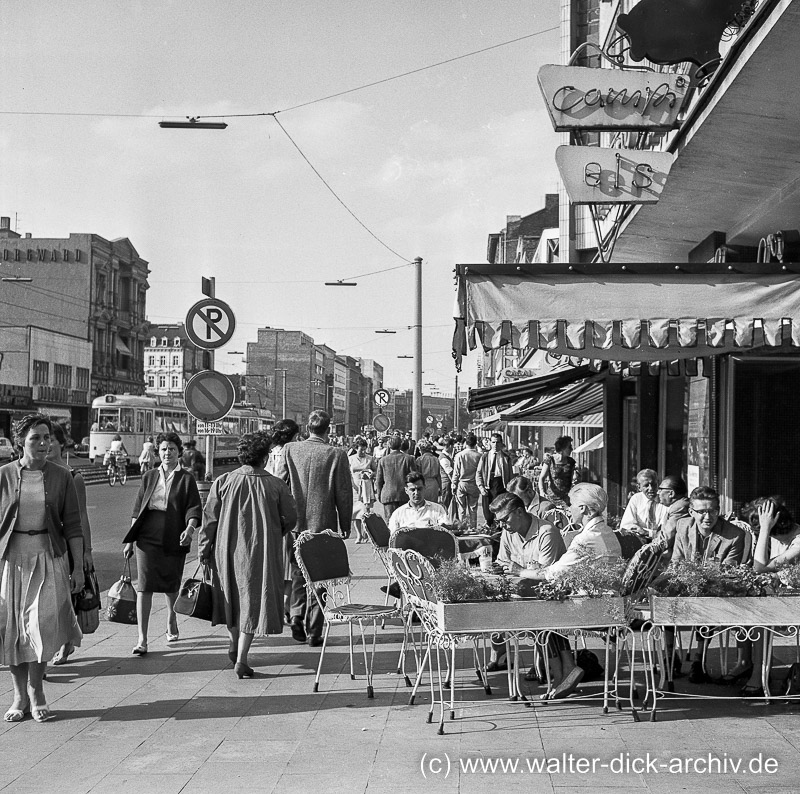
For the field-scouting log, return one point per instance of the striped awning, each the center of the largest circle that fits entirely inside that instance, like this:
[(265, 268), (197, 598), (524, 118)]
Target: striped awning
[(572, 402), (644, 314), (489, 396)]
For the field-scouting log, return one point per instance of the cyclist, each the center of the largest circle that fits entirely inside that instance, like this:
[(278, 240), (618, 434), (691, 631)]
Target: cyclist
[(116, 452), (149, 456)]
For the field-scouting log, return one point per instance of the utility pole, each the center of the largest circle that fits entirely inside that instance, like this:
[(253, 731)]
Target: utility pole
[(283, 395), (416, 411), (455, 407)]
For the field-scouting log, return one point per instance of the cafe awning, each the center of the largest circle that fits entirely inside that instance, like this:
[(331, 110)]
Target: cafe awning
[(505, 393), (595, 442), (645, 313), (565, 406)]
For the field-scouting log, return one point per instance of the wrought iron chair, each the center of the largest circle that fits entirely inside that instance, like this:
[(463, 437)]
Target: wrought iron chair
[(415, 574), (378, 534), (433, 543), (322, 558)]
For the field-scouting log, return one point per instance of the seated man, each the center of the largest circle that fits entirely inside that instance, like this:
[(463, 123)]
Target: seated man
[(672, 494), (705, 537), (644, 514), (587, 505), (417, 512)]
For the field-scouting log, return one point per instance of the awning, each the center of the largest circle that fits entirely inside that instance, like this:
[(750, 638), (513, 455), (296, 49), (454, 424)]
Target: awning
[(569, 404), (121, 347), (645, 313), (588, 420), (505, 393), (595, 442)]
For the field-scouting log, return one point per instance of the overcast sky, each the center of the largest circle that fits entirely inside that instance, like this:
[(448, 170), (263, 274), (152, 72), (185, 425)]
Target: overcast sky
[(431, 163)]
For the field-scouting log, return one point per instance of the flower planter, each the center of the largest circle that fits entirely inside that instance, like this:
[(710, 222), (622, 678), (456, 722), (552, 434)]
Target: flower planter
[(727, 611), (521, 614)]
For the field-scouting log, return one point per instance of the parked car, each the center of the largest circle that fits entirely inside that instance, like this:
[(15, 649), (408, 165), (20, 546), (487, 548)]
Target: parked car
[(6, 450), (82, 449)]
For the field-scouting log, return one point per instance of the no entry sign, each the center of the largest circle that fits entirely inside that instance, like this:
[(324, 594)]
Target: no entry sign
[(210, 323), (209, 396)]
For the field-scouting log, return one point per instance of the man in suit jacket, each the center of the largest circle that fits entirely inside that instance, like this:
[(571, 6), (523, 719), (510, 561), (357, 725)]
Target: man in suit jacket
[(322, 486), (390, 479), (493, 474), (705, 537)]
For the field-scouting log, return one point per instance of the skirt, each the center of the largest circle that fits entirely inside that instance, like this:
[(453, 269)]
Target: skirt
[(158, 572), (36, 615)]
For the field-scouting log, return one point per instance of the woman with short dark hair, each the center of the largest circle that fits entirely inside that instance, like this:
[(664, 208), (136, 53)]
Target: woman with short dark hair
[(246, 516), (558, 473), (166, 513), (39, 521)]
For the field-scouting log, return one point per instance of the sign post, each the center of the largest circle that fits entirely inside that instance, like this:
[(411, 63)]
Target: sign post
[(209, 395)]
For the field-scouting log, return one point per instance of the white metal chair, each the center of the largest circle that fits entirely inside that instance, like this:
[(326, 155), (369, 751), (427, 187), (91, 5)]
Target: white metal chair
[(322, 558)]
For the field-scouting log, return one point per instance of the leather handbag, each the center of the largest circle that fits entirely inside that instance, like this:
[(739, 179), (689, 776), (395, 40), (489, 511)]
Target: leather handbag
[(87, 603), (122, 599), (195, 598)]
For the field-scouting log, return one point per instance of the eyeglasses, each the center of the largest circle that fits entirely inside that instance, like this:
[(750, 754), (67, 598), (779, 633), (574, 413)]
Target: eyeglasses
[(714, 511)]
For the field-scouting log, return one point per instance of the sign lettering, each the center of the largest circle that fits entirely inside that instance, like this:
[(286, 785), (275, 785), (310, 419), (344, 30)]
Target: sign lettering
[(611, 99)]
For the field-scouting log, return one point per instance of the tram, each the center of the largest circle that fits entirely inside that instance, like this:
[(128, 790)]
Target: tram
[(135, 418)]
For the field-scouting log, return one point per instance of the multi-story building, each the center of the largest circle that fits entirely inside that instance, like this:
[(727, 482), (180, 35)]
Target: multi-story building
[(170, 360), (64, 293)]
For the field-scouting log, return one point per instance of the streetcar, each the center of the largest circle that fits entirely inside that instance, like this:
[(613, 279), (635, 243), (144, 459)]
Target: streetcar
[(134, 418)]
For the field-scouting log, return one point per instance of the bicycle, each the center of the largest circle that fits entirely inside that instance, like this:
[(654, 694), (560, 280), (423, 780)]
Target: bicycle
[(117, 470)]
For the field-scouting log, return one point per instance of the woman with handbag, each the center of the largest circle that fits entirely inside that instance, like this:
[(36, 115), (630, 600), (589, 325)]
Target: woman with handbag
[(39, 520), (166, 513), (247, 515), (58, 443)]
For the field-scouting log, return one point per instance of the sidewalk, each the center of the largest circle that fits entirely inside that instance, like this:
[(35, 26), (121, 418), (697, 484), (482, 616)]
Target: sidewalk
[(178, 720)]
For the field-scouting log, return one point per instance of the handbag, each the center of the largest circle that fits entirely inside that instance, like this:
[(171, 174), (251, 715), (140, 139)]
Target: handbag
[(87, 603), (122, 599), (88, 620), (195, 598)]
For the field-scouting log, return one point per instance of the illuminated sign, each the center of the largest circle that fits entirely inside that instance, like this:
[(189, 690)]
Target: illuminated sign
[(592, 175), (514, 373), (611, 99)]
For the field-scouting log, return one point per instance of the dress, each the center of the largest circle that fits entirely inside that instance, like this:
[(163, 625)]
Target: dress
[(363, 488), (246, 516), (428, 467), (560, 479), (36, 616)]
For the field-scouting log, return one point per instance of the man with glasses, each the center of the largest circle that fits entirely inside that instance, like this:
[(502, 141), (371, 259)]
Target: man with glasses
[(644, 513), (672, 494), (705, 537), (417, 512)]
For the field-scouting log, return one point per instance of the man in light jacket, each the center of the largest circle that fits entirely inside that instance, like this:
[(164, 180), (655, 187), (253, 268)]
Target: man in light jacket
[(390, 479), (493, 474)]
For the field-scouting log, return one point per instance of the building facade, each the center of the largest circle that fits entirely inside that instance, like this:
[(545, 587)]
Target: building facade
[(83, 288), (170, 360)]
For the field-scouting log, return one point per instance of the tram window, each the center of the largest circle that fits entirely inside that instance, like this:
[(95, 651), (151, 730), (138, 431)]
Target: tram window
[(161, 422), (126, 420), (140, 421), (183, 421), (108, 419), (148, 422)]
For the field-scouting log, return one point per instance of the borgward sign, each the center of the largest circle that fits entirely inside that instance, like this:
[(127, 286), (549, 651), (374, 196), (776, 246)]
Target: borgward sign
[(210, 323)]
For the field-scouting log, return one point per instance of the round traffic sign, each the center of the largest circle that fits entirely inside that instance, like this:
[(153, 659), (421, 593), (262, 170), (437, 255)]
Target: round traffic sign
[(381, 397), (429, 419), (381, 423), (439, 425), (209, 396), (210, 323)]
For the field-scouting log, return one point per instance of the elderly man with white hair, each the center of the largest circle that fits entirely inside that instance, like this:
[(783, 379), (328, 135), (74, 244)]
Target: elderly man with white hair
[(587, 503)]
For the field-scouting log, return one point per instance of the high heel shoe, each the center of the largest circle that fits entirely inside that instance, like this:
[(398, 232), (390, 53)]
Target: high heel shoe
[(243, 671)]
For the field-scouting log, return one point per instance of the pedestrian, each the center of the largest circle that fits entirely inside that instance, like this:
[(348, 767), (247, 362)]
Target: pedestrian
[(318, 476), (362, 469), (558, 473), (58, 443), (428, 467), (148, 456), (390, 478), (40, 520), (466, 493), (165, 515), (446, 466), (192, 460), (285, 431), (248, 513), (493, 474)]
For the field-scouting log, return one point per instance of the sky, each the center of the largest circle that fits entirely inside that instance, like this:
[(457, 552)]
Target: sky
[(430, 163)]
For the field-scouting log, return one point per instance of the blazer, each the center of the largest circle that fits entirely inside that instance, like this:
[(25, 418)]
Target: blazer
[(725, 546), (319, 478), (62, 513), (390, 479), (183, 504), (484, 471)]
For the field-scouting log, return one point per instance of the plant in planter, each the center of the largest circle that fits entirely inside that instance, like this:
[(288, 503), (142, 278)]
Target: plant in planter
[(695, 579), (454, 583), (593, 578), (788, 579)]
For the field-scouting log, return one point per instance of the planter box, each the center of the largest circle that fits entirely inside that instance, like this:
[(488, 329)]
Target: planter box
[(732, 611), (521, 614)]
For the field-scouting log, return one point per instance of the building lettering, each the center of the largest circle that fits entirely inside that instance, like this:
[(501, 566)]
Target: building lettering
[(568, 98), (42, 255)]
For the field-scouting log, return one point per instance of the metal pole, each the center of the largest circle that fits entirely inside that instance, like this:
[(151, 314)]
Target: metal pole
[(210, 289), (455, 407), (283, 396), (416, 411)]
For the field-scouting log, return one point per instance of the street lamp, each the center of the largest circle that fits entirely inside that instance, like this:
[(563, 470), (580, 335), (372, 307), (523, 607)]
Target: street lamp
[(405, 356), (341, 283), (192, 124), (17, 279), (386, 331)]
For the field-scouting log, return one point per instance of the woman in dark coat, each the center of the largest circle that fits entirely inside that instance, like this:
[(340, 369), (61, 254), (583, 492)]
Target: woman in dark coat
[(247, 514), (165, 516)]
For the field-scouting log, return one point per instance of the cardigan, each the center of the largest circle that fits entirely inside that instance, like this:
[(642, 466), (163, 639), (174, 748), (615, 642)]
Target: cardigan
[(62, 513), (183, 504)]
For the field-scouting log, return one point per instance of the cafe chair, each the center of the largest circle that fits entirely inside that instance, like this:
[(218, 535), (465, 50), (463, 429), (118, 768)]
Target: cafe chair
[(415, 574), (322, 558), (433, 543), (378, 534)]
